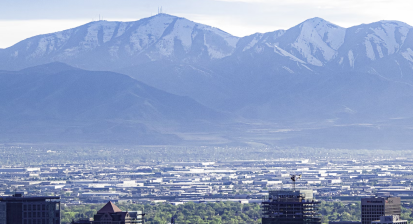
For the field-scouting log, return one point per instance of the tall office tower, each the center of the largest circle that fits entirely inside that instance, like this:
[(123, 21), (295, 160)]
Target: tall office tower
[(374, 207), (291, 207), (29, 210), (111, 214)]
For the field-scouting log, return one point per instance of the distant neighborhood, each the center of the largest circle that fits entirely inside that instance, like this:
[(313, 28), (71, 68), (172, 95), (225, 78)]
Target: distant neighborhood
[(180, 182)]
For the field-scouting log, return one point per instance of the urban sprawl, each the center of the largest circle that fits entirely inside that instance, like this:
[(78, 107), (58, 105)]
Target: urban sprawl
[(378, 183)]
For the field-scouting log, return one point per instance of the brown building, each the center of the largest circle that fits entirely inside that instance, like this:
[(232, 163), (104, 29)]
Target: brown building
[(374, 207), (111, 214)]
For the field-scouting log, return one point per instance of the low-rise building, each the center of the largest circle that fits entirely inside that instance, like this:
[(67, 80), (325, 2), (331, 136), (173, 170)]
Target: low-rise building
[(390, 219)]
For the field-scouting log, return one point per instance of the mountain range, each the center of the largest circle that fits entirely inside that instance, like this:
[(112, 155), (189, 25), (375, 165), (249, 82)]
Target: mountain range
[(313, 76), (63, 103)]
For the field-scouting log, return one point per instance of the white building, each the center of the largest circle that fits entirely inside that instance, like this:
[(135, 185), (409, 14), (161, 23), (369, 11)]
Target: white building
[(389, 219)]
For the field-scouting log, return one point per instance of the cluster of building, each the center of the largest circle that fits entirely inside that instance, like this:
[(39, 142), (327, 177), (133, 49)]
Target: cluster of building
[(111, 214), (300, 207), (246, 181), (20, 209), (180, 182), (279, 207)]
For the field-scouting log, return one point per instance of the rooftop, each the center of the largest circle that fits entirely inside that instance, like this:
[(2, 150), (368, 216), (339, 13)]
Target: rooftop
[(109, 208)]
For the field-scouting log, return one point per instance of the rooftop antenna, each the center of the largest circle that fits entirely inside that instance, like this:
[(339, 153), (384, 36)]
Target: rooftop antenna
[(294, 178)]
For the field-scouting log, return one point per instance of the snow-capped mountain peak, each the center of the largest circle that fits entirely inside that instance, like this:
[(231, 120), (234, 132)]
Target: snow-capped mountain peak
[(330, 33), (314, 40), (158, 37), (368, 43), (113, 45)]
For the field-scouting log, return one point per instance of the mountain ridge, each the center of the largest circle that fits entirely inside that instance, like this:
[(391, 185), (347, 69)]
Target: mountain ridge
[(315, 75), (118, 45), (146, 39)]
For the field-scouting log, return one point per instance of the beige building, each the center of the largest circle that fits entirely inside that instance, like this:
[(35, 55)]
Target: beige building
[(374, 207)]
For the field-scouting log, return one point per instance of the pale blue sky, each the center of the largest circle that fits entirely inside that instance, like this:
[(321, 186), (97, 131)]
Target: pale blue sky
[(20, 19)]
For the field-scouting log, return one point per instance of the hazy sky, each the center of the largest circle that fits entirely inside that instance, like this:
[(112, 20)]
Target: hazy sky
[(20, 19)]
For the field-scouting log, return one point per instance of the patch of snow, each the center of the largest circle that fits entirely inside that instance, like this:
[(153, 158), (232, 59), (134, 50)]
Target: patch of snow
[(385, 35), (307, 67), (369, 50), (62, 37), (91, 39), (401, 71), (122, 29), (288, 69), (389, 38), (282, 52), (153, 33), (148, 33), (380, 51), (314, 61), (71, 51), (403, 31), (165, 46), (42, 47), (200, 71), (408, 54), (253, 42), (341, 61), (182, 31), (215, 48), (331, 34), (231, 40), (351, 58), (318, 35), (278, 34), (349, 110), (108, 30), (215, 53), (194, 34), (49, 43)]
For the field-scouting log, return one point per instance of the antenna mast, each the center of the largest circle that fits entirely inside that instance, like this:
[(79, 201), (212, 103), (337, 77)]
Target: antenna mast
[(294, 178)]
